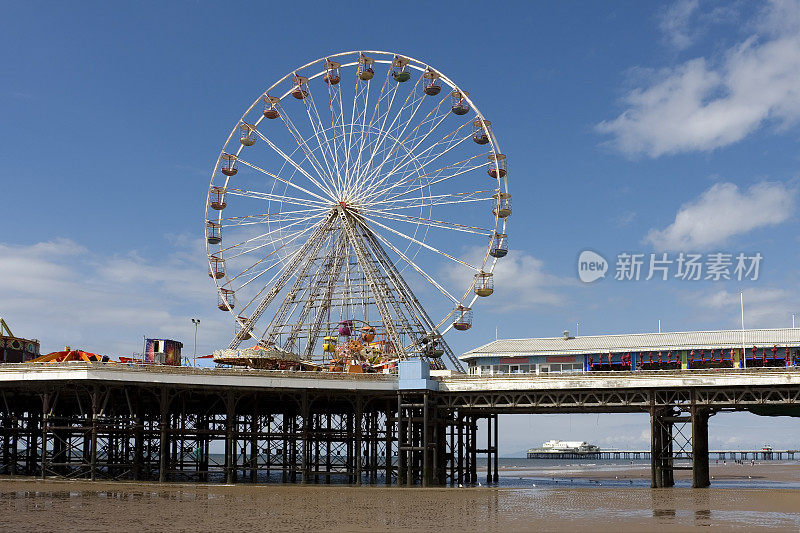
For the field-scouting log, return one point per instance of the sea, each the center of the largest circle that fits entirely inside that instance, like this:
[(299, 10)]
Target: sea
[(523, 473)]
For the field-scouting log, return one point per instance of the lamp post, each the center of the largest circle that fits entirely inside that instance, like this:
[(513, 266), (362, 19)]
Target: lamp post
[(196, 322), (744, 355)]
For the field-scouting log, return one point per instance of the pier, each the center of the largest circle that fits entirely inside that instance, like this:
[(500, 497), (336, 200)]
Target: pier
[(150, 422), (733, 455)]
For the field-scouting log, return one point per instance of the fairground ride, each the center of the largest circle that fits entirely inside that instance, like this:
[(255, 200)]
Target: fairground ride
[(348, 182)]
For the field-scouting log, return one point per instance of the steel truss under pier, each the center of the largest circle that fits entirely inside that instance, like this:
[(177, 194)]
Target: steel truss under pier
[(93, 421), (130, 432), (172, 434)]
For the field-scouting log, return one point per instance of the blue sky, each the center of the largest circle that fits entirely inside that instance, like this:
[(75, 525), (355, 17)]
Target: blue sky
[(630, 127)]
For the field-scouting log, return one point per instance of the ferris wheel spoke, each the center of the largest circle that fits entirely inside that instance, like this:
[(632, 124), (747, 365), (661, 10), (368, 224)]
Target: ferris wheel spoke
[(260, 217), (363, 134), (294, 164), (267, 234), (381, 98), (419, 142), (273, 220), (409, 103), (335, 97), (324, 147), (434, 200), (400, 197), (430, 117), (454, 226), (302, 144), (284, 267), (427, 154), (434, 176), (421, 243), (364, 173), (279, 281), (360, 90), (431, 204), (270, 197), (273, 254), (281, 243), (416, 267)]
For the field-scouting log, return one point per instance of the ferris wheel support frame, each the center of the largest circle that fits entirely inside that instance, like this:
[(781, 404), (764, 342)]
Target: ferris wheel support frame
[(326, 282), (310, 258), (288, 271), (405, 290), (373, 280)]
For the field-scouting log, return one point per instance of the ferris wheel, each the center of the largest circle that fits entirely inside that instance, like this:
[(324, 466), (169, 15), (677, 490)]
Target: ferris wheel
[(352, 190)]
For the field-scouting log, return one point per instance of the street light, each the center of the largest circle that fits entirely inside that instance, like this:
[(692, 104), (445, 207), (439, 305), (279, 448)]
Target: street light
[(196, 322)]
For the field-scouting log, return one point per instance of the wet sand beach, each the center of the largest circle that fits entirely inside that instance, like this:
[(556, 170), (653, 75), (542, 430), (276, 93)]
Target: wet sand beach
[(35, 505)]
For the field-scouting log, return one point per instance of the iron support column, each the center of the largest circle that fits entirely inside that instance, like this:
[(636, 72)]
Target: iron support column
[(230, 445), (661, 460), (496, 477), (163, 449), (700, 469), (45, 421), (489, 449), (93, 437)]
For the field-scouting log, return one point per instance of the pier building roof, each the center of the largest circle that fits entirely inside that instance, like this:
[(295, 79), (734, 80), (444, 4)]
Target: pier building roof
[(636, 342)]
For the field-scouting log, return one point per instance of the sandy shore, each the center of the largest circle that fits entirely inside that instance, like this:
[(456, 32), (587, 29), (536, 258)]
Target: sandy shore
[(33, 505)]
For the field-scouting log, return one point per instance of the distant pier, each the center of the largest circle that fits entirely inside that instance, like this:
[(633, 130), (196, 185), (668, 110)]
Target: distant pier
[(733, 455)]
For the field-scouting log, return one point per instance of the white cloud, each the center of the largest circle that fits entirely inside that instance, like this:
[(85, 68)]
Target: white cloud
[(520, 282), (722, 212), (763, 307), (705, 104), (675, 23), (64, 294)]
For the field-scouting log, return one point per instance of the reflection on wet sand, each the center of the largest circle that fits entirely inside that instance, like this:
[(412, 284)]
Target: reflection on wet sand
[(34, 505)]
